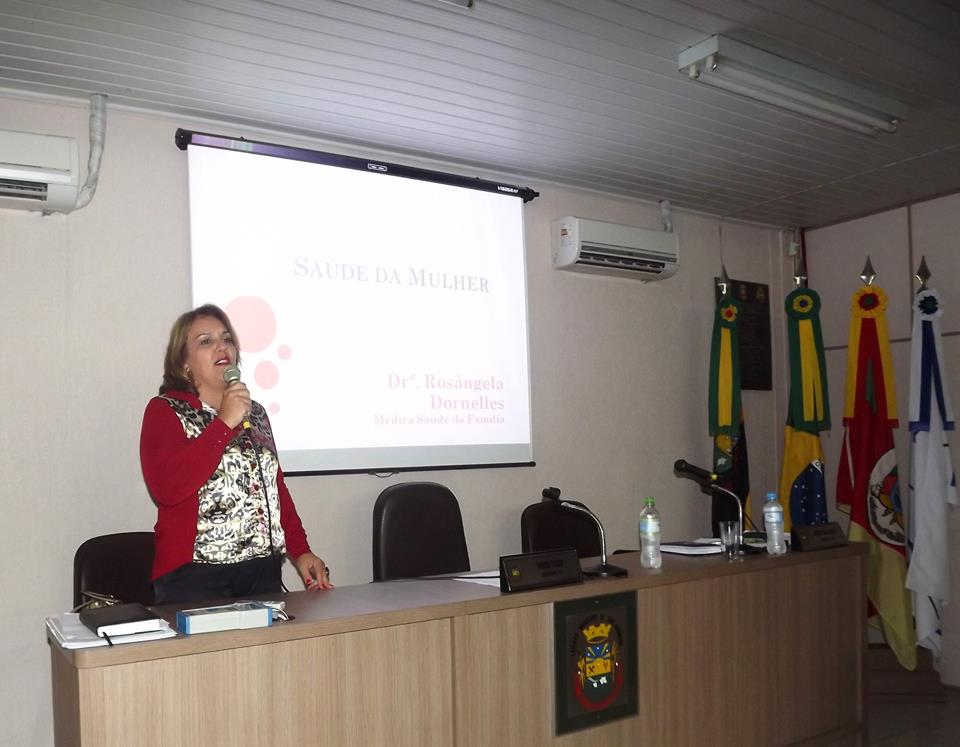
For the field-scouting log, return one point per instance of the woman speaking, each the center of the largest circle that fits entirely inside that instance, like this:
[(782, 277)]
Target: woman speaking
[(224, 515)]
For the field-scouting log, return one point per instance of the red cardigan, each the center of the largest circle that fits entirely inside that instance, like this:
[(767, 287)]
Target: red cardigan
[(176, 467)]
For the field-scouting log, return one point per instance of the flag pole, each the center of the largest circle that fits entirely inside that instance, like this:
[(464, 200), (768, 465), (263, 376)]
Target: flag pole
[(723, 282), (799, 255), (923, 274)]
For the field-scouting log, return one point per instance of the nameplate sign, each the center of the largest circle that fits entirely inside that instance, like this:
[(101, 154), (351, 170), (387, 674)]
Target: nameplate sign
[(539, 570), (807, 537)]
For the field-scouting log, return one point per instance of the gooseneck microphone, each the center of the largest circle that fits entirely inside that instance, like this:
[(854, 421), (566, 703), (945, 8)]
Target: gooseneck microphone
[(709, 480), (552, 495), (230, 375), (682, 467)]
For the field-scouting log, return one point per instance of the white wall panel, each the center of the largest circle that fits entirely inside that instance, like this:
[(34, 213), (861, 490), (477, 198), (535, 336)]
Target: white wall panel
[(619, 384)]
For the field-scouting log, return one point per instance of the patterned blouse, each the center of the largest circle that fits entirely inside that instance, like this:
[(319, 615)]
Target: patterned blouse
[(234, 520)]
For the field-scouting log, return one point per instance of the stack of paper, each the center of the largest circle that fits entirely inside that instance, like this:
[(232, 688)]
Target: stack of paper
[(699, 547), (71, 633)]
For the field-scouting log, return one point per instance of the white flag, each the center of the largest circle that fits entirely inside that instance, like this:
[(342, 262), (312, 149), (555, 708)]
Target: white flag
[(933, 483)]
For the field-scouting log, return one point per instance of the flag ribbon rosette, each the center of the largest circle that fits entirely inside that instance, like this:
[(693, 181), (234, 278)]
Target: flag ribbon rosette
[(868, 359), (724, 395), (809, 401), (867, 480), (802, 484), (928, 382), (933, 483)]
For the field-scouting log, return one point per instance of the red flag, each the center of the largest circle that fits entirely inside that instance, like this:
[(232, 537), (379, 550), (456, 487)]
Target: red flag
[(867, 480)]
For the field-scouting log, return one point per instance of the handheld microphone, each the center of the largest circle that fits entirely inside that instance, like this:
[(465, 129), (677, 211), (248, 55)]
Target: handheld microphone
[(699, 474), (230, 375)]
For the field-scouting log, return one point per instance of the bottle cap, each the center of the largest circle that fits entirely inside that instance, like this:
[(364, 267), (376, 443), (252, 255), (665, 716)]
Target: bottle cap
[(771, 496), (649, 500)]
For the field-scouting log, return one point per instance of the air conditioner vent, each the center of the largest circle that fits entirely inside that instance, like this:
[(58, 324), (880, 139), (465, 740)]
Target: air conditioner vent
[(38, 172), (23, 190), (607, 256)]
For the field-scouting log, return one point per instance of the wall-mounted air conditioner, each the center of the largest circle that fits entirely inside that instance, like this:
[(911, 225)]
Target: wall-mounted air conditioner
[(38, 172), (612, 249)]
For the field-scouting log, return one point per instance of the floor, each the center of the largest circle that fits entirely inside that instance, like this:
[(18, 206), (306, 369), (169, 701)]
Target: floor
[(915, 724)]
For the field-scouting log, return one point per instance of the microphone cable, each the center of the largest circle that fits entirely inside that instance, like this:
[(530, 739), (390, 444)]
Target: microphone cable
[(266, 497), (750, 521), (231, 375), (263, 485)]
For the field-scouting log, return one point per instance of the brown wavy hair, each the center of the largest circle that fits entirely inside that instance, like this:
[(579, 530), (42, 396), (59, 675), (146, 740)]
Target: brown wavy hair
[(176, 356)]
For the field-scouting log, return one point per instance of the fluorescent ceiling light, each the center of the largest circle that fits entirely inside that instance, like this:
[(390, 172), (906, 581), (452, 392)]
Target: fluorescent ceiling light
[(762, 76)]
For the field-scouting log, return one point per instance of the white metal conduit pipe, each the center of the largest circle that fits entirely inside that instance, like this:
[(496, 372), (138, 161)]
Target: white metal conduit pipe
[(98, 117)]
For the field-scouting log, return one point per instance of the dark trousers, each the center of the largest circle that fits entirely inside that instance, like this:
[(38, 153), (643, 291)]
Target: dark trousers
[(200, 582)]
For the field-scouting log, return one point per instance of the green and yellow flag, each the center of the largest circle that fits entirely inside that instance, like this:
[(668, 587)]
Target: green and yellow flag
[(803, 491), (725, 415), (724, 395)]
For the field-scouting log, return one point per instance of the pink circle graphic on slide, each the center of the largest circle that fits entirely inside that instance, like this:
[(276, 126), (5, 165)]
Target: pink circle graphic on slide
[(266, 374), (274, 408), (284, 352), (255, 322)]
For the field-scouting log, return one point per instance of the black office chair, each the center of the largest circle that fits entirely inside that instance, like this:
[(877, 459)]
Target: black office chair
[(417, 531), (118, 565), (549, 526)]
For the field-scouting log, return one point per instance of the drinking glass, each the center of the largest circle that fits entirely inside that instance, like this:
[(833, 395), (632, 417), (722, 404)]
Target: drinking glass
[(730, 538)]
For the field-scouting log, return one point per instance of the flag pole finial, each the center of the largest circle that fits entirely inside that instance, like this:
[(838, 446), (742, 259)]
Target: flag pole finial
[(723, 282), (923, 273), (868, 275), (799, 265), (795, 250)]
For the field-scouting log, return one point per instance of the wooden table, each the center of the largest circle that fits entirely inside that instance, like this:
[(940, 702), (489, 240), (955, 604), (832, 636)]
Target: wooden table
[(763, 652)]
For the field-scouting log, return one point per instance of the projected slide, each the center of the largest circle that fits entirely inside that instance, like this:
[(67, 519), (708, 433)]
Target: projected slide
[(382, 319)]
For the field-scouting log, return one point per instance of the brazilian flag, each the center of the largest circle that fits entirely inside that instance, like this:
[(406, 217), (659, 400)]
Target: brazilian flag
[(732, 468), (802, 484), (725, 414)]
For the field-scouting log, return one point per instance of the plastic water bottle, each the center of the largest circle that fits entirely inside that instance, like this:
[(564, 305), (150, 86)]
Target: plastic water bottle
[(650, 536), (773, 523)]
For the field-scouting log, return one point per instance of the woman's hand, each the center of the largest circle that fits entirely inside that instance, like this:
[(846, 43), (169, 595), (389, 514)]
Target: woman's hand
[(236, 404), (313, 571)]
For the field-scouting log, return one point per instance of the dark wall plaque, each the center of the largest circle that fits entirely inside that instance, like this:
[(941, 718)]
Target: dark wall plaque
[(756, 362)]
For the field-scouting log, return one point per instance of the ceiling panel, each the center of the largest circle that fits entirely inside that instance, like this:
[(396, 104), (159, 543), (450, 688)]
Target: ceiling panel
[(584, 93)]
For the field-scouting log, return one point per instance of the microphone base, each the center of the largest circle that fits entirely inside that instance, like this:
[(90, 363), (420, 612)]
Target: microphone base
[(605, 570)]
